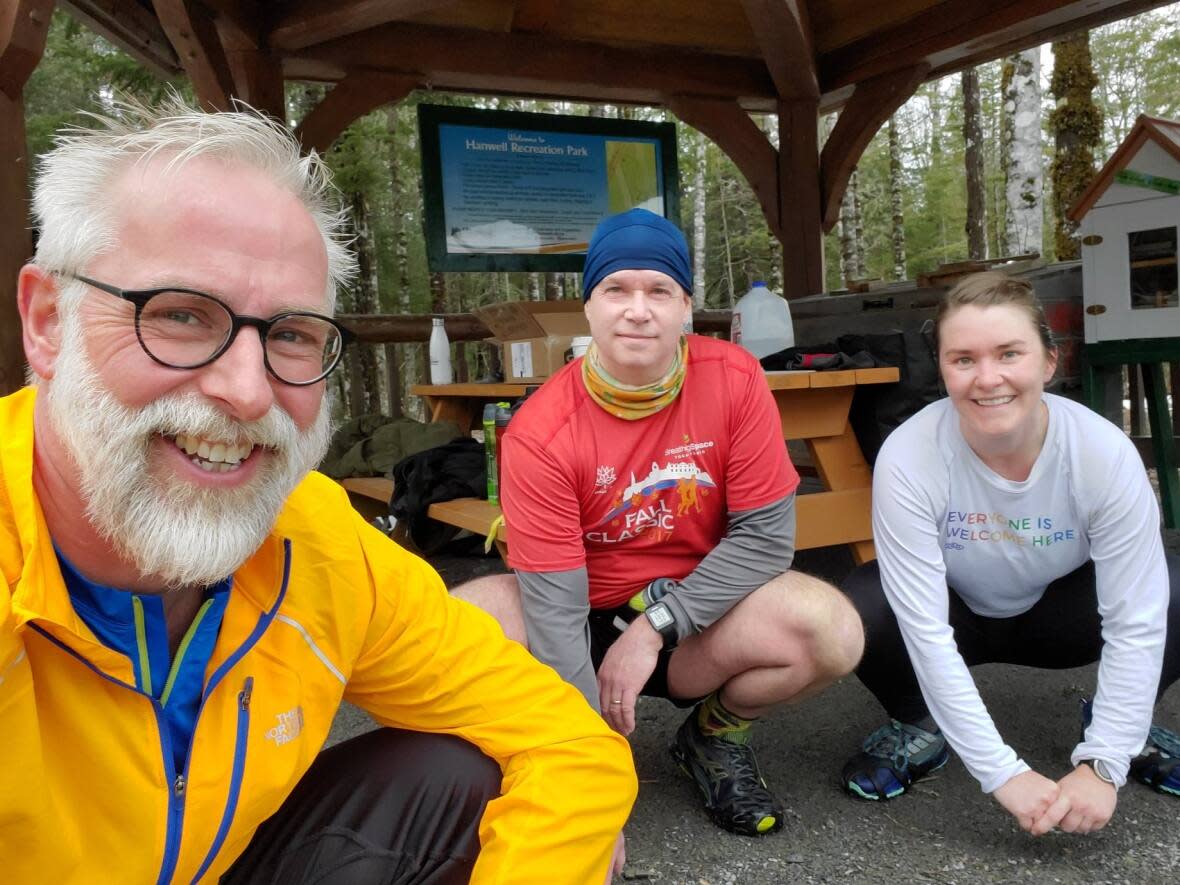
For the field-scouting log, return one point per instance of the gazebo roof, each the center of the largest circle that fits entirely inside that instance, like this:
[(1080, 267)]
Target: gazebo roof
[(755, 51)]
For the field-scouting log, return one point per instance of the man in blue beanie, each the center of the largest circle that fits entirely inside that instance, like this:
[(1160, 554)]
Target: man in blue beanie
[(650, 507)]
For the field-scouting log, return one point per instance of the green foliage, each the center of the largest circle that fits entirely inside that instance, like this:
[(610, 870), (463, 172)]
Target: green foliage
[(80, 72)]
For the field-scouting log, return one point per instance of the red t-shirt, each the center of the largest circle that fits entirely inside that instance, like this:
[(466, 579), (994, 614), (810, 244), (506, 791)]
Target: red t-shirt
[(638, 500)]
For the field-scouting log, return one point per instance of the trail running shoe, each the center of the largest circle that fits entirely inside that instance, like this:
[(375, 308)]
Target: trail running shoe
[(736, 796), (1158, 765), (892, 758)]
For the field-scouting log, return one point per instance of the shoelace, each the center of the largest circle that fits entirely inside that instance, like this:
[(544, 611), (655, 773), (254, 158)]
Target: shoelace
[(1165, 741), (741, 765), (893, 742)]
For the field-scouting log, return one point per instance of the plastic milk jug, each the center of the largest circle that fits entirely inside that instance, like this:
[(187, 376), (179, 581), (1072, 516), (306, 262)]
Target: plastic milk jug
[(440, 354), (762, 322)]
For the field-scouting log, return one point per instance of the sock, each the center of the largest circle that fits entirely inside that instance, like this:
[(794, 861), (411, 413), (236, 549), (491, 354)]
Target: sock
[(716, 721)]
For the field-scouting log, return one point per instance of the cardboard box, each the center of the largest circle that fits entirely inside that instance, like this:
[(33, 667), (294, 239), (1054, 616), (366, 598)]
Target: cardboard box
[(533, 335)]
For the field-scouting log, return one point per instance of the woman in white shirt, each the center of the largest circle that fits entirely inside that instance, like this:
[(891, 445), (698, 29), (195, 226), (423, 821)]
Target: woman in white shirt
[(1013, 526)]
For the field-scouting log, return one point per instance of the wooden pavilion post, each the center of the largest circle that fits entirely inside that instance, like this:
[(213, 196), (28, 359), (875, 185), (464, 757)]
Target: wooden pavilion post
[(24, 25), (799, 198)]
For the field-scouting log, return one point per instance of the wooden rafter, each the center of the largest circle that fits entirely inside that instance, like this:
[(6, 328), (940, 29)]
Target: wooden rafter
[(530, 64), (534, 15), (1048, 30), (872, 103), (193, 34), (954, 34), (352, 97), (732, 130), (317, 21), (257, 76), (24, 24), (784, 35), (241, 20), (132, 28)]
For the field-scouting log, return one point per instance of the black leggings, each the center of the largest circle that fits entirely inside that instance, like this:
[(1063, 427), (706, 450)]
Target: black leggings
[(1062, 630), (387, 808)]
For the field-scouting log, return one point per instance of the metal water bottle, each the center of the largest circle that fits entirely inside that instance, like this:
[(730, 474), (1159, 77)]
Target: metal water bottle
[(440, 354)]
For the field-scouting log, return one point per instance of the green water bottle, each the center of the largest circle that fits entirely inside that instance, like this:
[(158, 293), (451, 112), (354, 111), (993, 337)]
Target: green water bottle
[(490, 453)]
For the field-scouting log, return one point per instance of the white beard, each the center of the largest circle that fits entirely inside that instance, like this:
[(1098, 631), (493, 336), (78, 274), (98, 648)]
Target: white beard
[(174, 531)]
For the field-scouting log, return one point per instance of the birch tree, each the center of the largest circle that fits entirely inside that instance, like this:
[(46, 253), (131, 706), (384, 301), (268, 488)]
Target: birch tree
[(852, 233), (896, 214), (1024, 180), (699, 226)]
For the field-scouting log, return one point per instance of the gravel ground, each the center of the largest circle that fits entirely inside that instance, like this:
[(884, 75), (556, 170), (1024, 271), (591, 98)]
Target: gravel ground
[(944, 831)]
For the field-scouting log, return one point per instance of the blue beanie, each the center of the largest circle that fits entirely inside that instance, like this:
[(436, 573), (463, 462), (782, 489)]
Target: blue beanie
[(636, 240)]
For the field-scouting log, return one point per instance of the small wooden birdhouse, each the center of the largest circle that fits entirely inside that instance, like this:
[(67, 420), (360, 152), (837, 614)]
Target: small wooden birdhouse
[(1129, 219)]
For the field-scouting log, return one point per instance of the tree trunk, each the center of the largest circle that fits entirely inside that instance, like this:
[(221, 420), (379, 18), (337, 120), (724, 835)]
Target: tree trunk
[(534, 286), (1022, 105), (862, 270), (850, 229), (973, 158), (1076, 123), (404, 213), (895, 203), (553, 287), (698, 223), (365, 391)]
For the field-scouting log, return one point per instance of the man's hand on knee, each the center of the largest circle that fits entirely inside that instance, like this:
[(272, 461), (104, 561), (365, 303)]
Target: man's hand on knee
[(625, 669)]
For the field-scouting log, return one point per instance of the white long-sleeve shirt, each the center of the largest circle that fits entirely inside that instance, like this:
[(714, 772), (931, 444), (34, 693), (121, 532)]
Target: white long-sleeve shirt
[(942, 517)]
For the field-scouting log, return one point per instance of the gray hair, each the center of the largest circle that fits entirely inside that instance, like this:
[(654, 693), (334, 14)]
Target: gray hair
[(70, 202)]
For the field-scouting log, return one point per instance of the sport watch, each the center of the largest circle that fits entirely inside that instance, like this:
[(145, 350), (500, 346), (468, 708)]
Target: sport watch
[(1101, 769), (663, 622)]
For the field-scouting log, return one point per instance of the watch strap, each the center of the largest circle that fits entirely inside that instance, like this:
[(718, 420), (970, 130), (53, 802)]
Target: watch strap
[(663, 621)]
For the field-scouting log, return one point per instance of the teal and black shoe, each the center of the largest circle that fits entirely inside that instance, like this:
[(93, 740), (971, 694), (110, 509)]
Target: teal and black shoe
[(892, 758), (1158, 765)]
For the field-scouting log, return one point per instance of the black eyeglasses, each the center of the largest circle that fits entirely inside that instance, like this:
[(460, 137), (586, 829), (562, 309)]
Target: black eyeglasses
[(185, 329)]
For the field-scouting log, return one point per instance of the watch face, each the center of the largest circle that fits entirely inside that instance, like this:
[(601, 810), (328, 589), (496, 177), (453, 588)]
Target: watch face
[(659, 616)]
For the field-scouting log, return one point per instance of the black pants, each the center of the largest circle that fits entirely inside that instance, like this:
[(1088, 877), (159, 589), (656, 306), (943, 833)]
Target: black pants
[(387, 808), (1062, 630)]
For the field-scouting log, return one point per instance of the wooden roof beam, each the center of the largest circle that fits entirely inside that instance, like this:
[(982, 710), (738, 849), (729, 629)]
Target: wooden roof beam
[(465, 60), (308, 22), (534, 15), (24, 25), (240, 20), (132, 28), (351, 98), (193, 34), (872, 103), (731, 129), (783, 32), (1016, 39), (954, 34)]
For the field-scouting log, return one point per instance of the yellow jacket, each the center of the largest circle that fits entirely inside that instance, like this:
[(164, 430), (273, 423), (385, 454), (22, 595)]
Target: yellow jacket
[(327, 608)]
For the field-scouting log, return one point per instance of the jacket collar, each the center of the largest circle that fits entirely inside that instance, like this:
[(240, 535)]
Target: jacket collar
[(32, 571)]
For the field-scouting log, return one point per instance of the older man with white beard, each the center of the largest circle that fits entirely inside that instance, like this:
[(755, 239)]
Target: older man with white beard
[(186, 604)]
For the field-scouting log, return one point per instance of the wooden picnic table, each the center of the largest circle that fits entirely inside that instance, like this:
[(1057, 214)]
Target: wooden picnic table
[(813, 407)]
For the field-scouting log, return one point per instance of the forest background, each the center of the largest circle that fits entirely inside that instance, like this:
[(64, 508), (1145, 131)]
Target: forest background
[(976, 165)]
